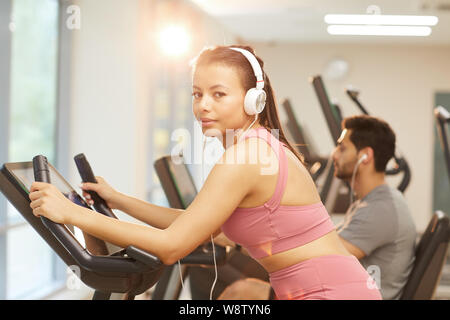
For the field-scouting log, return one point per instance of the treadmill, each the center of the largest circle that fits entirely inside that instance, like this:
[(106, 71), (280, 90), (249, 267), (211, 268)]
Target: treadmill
[(335, 193), (295, 133), (180, 191), (131, 271)]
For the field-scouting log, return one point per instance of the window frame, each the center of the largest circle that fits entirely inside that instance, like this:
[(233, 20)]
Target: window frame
[(62, 133), (5, 55)]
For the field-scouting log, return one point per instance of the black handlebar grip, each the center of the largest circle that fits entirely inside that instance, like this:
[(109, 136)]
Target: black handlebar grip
[(40, 169), (87, 175), (42, 174)]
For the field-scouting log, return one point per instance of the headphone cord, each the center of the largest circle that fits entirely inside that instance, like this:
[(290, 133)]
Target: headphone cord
[(212, 240), (352, 184), (249, 127), (215, 269), (342, 223), (211, 236)]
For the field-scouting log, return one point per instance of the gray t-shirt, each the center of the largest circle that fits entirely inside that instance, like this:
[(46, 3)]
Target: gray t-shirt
[(381, 225)]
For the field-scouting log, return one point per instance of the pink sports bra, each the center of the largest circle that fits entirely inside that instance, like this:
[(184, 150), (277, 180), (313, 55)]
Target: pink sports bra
[(272, 228)]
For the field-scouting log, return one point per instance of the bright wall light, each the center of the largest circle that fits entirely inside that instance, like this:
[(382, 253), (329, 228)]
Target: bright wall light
[(379, 30), (174, 40), (378, 19)]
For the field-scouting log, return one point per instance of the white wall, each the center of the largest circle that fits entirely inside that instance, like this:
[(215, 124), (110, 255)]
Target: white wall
[(113, 63), (397, 83), (105, 109)]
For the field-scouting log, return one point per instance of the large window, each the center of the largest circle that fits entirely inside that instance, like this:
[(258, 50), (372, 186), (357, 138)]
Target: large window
[(171, 111), (28, 264)]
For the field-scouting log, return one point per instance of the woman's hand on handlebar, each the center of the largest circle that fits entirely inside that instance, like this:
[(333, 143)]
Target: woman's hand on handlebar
[(49, 202), (103, 189)]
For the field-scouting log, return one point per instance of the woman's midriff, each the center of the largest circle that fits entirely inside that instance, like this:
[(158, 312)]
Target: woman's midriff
[(328, 244)]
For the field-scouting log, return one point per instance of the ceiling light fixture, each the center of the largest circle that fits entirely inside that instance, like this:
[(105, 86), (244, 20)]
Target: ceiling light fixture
[(380, 19), (367, 30)]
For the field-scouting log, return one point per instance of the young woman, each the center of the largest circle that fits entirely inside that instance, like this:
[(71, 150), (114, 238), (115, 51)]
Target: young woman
[(267, 201)]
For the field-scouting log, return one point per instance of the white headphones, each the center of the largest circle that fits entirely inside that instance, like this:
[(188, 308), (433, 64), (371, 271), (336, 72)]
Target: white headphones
[(255, 98)]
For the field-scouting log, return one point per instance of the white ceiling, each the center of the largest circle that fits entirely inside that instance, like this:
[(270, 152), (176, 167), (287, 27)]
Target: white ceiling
[(302, 20)]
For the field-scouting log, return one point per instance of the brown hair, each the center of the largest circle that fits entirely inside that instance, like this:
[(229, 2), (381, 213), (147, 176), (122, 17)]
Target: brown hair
[(268, 118), (372, 132)]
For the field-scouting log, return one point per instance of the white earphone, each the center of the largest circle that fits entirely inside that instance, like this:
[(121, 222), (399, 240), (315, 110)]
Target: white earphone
[(363, 157), (255, 98)]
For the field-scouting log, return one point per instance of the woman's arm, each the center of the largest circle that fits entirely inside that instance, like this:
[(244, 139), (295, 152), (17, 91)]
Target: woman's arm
[(224, 189), (156, 216)]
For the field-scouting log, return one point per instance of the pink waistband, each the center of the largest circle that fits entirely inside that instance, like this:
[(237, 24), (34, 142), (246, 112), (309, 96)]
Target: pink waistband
[(324, 277)]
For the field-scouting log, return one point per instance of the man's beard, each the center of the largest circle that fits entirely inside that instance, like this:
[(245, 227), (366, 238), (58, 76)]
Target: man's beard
[(345, 172)]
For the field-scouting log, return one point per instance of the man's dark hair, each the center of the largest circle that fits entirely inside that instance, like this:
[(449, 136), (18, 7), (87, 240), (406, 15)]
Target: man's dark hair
[(372, 132)]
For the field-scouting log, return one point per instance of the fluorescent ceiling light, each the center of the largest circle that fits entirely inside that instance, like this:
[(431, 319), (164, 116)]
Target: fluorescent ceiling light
[(379, 30), (379, 19)]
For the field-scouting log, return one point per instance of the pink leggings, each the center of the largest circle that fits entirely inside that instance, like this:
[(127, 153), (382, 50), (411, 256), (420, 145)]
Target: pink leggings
[(332, 277)]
